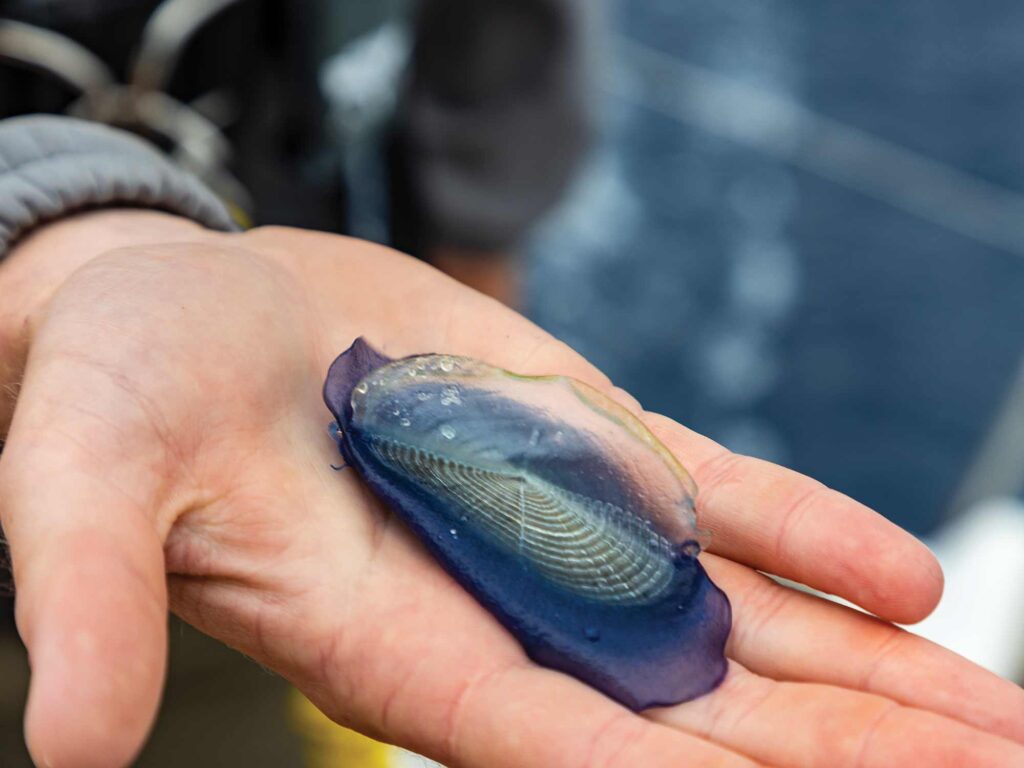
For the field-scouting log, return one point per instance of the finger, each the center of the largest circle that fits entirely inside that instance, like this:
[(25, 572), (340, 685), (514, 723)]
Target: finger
[(809, 725), (788, 635), (88, 572), (782, 522)]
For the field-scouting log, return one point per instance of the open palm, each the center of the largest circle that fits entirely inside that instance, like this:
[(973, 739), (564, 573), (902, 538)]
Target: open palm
[(169, 446)]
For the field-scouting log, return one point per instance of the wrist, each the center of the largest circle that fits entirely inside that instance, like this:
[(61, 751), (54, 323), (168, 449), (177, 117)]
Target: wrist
[(40, 263)]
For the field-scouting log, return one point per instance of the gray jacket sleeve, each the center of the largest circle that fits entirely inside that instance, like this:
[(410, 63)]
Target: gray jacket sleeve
[(495, 115), (54, 166)]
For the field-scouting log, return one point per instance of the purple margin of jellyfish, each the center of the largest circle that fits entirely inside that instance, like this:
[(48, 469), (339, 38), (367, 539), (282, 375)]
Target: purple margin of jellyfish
[(655, 654)]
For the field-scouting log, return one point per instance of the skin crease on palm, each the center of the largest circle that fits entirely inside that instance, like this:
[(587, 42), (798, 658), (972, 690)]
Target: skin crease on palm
[(168, 449)]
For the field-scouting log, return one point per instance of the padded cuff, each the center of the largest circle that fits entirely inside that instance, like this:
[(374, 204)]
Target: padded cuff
[(53, 166)]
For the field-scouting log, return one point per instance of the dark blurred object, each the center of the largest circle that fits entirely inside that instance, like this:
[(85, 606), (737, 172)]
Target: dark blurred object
[(830, 198), (6, 588), (192, 70), (493, 120), (14, 673), (490, 120)]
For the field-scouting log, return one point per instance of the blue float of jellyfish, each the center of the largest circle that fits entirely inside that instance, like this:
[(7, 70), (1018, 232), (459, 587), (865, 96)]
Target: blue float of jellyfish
[(552, 505)]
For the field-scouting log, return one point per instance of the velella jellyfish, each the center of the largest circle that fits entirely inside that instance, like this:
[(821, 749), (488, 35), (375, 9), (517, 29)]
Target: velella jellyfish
[(552, 505)]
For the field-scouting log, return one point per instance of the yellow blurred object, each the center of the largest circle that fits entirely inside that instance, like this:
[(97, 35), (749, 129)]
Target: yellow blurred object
[(238, 214), (329, 745)]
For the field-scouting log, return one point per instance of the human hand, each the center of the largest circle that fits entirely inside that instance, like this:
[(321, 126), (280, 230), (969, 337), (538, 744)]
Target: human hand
[(169, 447)]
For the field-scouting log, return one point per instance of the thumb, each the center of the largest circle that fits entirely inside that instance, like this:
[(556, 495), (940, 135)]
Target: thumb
[(88, 569)]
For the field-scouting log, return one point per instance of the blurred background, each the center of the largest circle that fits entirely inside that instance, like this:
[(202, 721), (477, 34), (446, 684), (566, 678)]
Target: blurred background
[(794, 226)]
